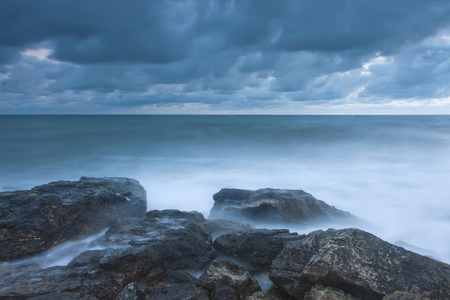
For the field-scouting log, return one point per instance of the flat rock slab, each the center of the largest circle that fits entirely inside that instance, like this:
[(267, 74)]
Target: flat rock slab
[(358, 263), (34, 220), (275, 206)]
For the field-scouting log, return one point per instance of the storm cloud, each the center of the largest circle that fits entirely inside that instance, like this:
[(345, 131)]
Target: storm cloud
[(222, 56)]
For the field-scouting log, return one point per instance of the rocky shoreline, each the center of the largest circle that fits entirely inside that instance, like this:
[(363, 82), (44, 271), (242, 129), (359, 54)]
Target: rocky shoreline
[(172, 254)]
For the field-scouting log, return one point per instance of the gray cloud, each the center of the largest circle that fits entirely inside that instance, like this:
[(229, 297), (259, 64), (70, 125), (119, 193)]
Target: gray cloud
[(212, 52), (422, 72)]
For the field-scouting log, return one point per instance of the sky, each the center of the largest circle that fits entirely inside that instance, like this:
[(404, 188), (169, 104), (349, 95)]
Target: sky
[(225, 57)]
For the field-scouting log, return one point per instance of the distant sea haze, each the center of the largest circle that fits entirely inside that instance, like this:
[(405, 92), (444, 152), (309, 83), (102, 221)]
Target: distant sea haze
[(392, 171)]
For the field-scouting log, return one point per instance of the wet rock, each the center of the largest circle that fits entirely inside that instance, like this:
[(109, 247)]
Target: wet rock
[(223, 292), (63, 295), (402, 296), (222, 272), (279, 293), (129, 188), (31, 281), (256, 247), (176, 291), (164, 284), (131, 292), (319, 292), (275, 206), (166, 239), (222, 226), (35, 220), (263, 296), (148, 251), (358, 263), (160, 276)]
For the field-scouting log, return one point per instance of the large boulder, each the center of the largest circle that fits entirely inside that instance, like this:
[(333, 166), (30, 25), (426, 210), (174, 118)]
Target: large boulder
[(256, 247), (34, 220), (275, 206), (149, 251), (358, 263)]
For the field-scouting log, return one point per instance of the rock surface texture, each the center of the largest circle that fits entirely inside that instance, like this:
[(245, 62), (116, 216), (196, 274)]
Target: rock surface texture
[(34, 220), (256, 247), (154, 255), (149, 251), (275, 206), (225, 273), (358, 263)]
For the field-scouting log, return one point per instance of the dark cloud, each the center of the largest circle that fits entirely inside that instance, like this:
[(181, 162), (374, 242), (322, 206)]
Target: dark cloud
[(221, 51), (422, 72), (371, 25)]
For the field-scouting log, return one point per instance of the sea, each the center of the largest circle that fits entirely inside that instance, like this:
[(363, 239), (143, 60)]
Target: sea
[(391, 171)]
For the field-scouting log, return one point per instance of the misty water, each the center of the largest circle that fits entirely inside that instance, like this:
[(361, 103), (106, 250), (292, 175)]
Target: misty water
[(392, 171)]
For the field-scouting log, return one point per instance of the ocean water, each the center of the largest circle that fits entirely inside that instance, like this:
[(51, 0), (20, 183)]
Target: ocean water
[(392, 171)]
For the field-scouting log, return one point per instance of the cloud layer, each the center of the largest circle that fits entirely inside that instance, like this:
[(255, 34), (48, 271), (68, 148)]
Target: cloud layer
[(223, 56)]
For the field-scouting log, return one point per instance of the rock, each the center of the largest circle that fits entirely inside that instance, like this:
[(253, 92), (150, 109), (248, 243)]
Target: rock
[(222, 226), (35, 220), (223, 292), (256, 247), (222, 272), (402, 296), (319, 292), (164, 284), (131, 292), (358, 263), (147, 251), (63, 295), (262, 296), (279, 293), (176, 291), (166, 239), (275, 206), (129, 188), (56, 283), (160, 276)]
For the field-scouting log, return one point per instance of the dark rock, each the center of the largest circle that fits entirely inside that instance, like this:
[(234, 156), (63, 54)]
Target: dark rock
[(31, 281), (222, 226), (166, 239), (402, 296), (131, 292), (279, 293), (223, 292), (222, 272), (358, 263), (263, 296), (63, 295), (148, 251), (319, 292), (126, 187), (35, 220), (257, 247), (176, 291), (275, 206), (159, 276), (164, 284)]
